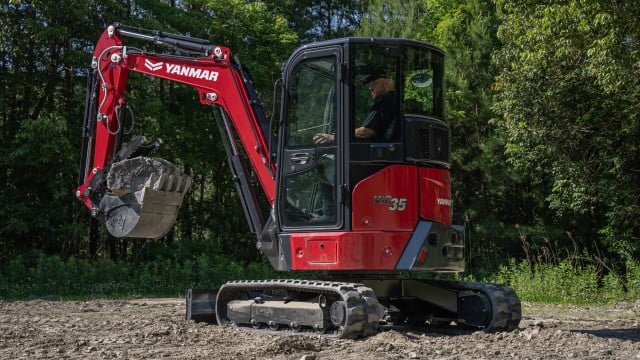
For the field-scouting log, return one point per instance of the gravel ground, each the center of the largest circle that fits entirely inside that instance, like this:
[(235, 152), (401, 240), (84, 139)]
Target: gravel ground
[(152, 328)]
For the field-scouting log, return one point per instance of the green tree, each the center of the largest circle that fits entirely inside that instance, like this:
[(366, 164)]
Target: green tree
[(569, 96), (42, 54), (316, 20), (393, 19), (489, 198)]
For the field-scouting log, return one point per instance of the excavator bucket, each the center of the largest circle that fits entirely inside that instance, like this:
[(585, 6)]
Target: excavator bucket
[(144, 197)]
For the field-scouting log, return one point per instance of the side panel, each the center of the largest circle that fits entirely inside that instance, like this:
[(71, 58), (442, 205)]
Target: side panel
[(371, 250), (435, 195), (386, 200)]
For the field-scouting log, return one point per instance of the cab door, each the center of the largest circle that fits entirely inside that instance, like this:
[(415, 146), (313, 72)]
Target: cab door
[(310, 162)]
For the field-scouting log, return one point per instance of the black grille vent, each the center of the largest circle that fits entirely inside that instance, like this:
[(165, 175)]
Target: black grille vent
[(427, 140), (423, 141)]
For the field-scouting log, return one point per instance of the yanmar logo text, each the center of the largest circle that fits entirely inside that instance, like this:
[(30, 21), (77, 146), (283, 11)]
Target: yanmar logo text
[(186, 71)]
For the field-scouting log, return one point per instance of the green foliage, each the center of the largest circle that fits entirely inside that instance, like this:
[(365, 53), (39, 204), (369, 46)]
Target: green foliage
[(41, 93), (632, 279), (43, 275), (25, 277), (563, 283), (38, 181), (28, 277), (45, 56), (393, 19), (490, 198), (260, 37), (570, 109), (315, 20)]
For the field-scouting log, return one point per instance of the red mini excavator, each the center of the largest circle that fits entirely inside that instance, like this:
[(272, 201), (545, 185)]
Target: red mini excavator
[(356, 176)]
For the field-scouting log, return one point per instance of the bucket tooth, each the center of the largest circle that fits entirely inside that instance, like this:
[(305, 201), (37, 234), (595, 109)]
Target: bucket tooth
[(169, 184), (177, 182)]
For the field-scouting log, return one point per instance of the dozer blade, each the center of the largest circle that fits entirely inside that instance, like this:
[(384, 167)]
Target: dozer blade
[(144, 197), (201, 305)]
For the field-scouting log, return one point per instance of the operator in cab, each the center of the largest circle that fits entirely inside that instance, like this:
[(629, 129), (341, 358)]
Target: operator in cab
[(381, 113), (384, 108)]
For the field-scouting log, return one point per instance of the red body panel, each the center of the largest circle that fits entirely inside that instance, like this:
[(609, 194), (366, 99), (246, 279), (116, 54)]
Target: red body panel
[(386, 200), (370, 250), (386, 206), (435, 195)]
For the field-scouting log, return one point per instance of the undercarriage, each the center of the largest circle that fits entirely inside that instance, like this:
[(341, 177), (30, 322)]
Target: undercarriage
[(354, 310)]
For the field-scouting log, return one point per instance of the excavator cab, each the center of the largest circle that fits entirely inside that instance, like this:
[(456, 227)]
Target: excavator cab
[(329, 95), (363, 161)]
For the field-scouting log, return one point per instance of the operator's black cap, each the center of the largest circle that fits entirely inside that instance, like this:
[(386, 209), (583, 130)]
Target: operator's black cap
[(373, 75)]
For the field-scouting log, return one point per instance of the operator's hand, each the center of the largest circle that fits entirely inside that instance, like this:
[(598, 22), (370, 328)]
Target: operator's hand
[(323, 138), (364, 133)]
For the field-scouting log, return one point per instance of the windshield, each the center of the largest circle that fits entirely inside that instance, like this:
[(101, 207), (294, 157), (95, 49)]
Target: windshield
[(312, 103), (411, 77)]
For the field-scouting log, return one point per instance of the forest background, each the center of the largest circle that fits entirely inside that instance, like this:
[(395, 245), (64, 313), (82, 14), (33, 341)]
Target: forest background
[(543, 100)]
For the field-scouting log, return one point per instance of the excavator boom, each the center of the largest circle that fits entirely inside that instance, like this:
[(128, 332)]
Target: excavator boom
[(148, 208)]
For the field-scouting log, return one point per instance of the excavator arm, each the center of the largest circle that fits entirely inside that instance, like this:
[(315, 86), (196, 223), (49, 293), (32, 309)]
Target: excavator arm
[(139, 196)]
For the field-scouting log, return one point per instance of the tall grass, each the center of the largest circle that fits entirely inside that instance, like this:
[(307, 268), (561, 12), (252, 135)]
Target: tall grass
[(565, 283), (24, 278), (568, 275)]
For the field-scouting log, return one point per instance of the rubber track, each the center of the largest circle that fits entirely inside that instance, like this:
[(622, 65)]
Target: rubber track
[(363, 310), (506, 310)]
